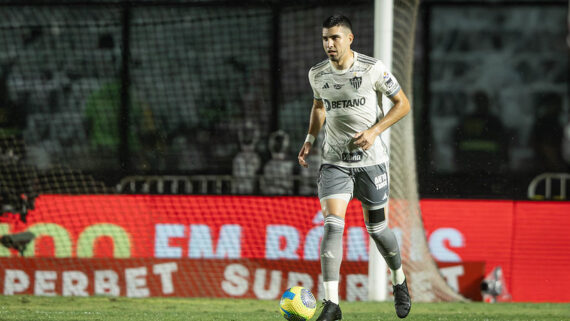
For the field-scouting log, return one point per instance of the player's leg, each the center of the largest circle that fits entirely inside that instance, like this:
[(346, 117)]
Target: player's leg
[(334, 211), (372, 189), (383, 236), (335, 191), (385, 239)]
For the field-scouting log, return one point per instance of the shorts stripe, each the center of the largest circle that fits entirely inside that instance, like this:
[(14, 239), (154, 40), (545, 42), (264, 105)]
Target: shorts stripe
[(374, 207), (343, 196)]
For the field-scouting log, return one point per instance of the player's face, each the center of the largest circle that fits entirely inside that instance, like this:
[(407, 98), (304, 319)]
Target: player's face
[(336, 42)]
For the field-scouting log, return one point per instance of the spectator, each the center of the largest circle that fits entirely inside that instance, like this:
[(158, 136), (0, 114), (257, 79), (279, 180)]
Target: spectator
[(278, 172), (18, 181), (547, 135), (247, 162), (12, 113), (481, 143), (102, 113), (566, 144)]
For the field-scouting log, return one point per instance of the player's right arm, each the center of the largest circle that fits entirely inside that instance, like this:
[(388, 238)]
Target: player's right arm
[(316, 122)]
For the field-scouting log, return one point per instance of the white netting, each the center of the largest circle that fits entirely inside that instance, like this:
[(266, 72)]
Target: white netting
[(424, 279)]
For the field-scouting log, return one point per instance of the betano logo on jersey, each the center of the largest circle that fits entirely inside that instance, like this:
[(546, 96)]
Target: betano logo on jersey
[(344, 103)]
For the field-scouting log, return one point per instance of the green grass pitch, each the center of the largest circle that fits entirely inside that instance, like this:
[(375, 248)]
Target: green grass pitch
[(170, 309)]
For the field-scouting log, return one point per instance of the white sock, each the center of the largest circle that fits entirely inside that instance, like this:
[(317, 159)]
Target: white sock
[(397, 276), (331, 291)]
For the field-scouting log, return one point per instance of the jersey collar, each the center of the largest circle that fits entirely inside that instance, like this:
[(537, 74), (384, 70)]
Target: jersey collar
[(339, 72)]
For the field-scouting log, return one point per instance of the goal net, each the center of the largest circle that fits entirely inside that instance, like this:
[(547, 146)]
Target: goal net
[(427, 284), (97, 97)]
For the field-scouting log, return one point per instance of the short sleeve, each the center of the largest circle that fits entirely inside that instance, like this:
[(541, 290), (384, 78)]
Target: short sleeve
[(385, 82), (316, 94)]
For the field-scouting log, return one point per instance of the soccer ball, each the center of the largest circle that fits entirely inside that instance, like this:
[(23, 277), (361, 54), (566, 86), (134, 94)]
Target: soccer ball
[(297, 304)]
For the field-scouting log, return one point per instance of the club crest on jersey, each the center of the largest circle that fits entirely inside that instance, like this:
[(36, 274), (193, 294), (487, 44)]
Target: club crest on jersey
[(356, 82)]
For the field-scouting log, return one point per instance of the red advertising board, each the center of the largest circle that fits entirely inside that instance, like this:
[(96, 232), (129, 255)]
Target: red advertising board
[(464, 277), (132, 234), (184, 227), (244, 278), (476, 230), (138, 245), (529, 240), (541, 252)]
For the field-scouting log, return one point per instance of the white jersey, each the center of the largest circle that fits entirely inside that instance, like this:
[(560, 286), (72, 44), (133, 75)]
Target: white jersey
[(351, 99)]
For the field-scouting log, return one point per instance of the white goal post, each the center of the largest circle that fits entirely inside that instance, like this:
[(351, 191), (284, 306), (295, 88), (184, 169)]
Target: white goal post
[(383, 33)]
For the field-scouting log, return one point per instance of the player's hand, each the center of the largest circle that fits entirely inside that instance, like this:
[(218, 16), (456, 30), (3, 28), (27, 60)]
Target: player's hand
[(364, 139), (303, 154)]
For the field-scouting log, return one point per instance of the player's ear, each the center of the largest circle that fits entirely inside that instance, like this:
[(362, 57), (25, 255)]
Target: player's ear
[(350, 37)]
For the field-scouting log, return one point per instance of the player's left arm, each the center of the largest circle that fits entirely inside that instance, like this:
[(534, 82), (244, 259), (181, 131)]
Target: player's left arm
[(401, 107)]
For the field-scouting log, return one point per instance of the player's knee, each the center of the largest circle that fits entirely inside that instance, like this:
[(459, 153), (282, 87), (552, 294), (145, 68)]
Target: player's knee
[(334, 223)]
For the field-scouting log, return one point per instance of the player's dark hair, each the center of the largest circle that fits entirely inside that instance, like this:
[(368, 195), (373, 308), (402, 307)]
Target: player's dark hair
[(337, 20)]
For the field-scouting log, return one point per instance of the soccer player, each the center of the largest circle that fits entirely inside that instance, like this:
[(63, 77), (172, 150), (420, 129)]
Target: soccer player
[(347, 89)]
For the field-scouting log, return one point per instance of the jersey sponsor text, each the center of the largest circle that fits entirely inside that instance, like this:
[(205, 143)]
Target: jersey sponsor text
[(344, 103)]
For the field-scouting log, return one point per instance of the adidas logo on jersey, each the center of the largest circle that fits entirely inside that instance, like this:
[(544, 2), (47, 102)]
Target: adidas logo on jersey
[(326, 86)]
